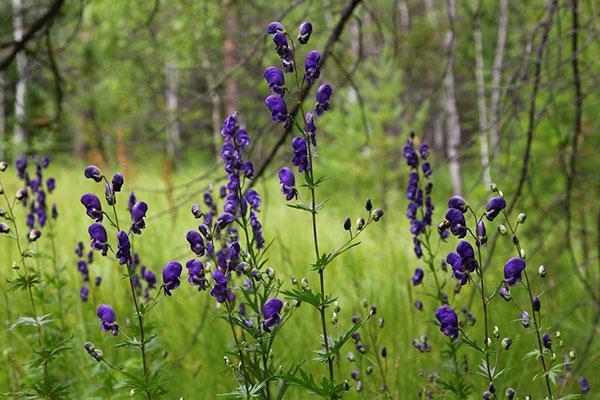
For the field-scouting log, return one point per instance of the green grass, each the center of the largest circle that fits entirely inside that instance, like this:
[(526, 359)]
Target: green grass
[(378, 270)]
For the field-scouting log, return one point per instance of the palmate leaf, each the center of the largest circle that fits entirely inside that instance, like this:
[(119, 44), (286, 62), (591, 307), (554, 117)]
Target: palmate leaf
[(31, 321), (533, 353), (327, 258), (337, 345), (298, 377), (23, 282), (307, 296)]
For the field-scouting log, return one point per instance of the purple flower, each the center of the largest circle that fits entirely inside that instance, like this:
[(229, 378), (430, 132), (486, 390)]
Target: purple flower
[(458, 272), (448, 321), (525, 319), (220, 291), (275, 27), (196, 274), (424, 151), (93, 209), (138, 213), (230, 126), (271, 313), (117, 182), (123, 248), (275, 80), (224, 220), (51, 184), (98, 237), (253, 198), (536, 304), (79, 249), (467, 256), (512, 270), (170, 274), (547, 340), (412, 159), (54, 212), (323, 95), (583, 384), (288, 183), (83, 293), (149, 277), (457, 223), (311, 66), (305, 32), (300, 158), (196, 242), (21, 165), (242, 138), (458, 203), (418, 276), (419, 305), (310, 128), (93, 172), (481, 232), (131, 201), (493, 207), (108, 319), (426, 169), (277, 107), (82, 267)]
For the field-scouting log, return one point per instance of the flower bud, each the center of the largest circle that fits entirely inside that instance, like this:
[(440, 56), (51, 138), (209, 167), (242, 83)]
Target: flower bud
[(496, 331), (492, 388), (572, 355), (373, 310), (515, 240), (346, 385), (270, 272), (381, 322), (536, 304), (369, 370), (522, 252), (355, 375), (358, 386), (487, 342), (88, 346), (21, 194), (287, 306), (377, 214), (369, 205), (304, 282), (1, 189), (494, 187), (500, 193), (4, 228), (542, 271), (3, 166), (98, 355), (383, 352), (501, 229), (365, 303), (350, 356), (510, 393), (334, 318), (197, 211), (521, 218), (347, 224), (506, 343), (226, 360), (558, 334), (336, 307), (34, 235), (294, 280), (360, 224), (2, 212)]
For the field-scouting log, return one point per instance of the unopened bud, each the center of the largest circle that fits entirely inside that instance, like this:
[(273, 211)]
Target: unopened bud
[(369, 205), (347, 224), (521, 218), (197, 211), (377, 214), (523, 254), (494, 187), (270, 272), (360, 224), (4, 228), (334, 318), (294, 280), (34, 235), (501, 229), (3, 166), (506, 343), (21, 194), (336, 307), (572, 355), (496, 332)]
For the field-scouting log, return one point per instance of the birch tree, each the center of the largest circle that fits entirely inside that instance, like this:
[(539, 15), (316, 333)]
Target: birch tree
[(19, 131)]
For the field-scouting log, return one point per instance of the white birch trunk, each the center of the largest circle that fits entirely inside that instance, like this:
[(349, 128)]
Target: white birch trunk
[(173, 138), (452, 119), (497, 76), (19, 131), (2, 119), (481, 102)]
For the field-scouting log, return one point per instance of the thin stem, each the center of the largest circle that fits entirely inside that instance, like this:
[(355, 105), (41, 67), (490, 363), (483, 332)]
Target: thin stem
[(241, 354), (57, 276)]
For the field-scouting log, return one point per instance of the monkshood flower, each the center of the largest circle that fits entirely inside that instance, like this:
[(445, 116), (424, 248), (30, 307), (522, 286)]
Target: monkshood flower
[(83, 293), (230, 126), (138, 213), (448, 321), (493, 207), (82, 267), (271, 313), (123, 248), (458, 203), (584, 385), (458, 273), (93, 172), (220, 291), (305, 32), (98, 237), (275, 27), (149, 277), (50, 184), (456, 221), (196, 242), (512, 271), (117, 182), (323, 95), (79, 249), (4, 228), (108, 319), (300, 158), (310, 128), (275, 80), (21, 164), (525, 319), (536, 304), (196, 274), (547, 340), (288, 183), (224, 219), (311, 66), (131, 202), (481, 232), (418, 276), (93, 209), (253, 199), (170, 274), (278, 109)]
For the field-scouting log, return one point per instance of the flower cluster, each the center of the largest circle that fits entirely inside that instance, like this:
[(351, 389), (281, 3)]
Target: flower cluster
[(83, 263)]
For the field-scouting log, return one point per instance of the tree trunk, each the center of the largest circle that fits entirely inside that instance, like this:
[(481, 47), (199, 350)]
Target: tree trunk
[(452, 120), (19, 131), (497, 76), (173, 138), (2, 119), (230, 55), (481, 100)]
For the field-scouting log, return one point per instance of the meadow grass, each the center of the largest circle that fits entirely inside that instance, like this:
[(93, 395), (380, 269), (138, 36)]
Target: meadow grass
[(378, 270)]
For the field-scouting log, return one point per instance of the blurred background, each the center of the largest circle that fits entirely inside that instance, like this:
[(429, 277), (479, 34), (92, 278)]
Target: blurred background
[(503, 91)]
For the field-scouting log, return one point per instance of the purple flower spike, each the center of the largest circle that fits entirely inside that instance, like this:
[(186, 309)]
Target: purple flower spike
[(448, 321), (493, 207), (93, 209), (418, 276), (220, 291), (312, 66), (288, 183), (117, 182), (93, 172), (278, 109), (98, 237), (275, 80), (83, 293), (512, 270), (138, 213), (196, 243), (305, 32), (271, 313), (230, 126), (108, 319), (170, 275), (300, 149), (324, 93), (123, 248)]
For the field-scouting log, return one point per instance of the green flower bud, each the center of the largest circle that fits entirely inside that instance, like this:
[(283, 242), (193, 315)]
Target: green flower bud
[(502, 229), (522, 252), (334, 318), (572, 355), (494, 187), (360, 224), (496, 332), (506, 343), (336, 307), (521, 218), (542, 271), (3, 166), (377, 214)]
